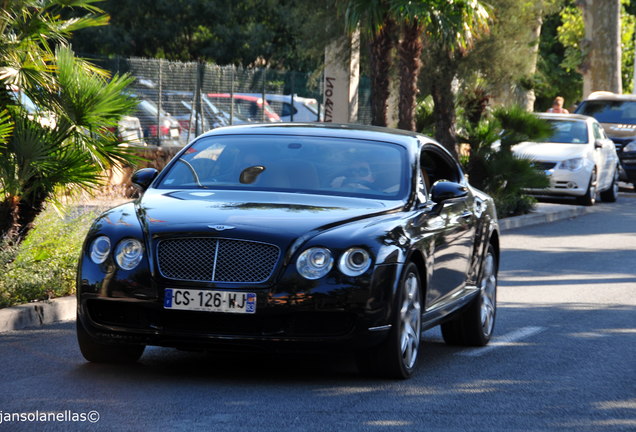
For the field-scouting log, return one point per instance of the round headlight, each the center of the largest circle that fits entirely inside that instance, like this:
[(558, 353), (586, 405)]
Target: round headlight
[(314, 263), (354, 262), (129, 253), (100, 248), (573, 164)]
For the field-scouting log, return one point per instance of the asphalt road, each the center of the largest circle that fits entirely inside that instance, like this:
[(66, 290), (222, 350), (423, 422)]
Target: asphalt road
[(564, 359)]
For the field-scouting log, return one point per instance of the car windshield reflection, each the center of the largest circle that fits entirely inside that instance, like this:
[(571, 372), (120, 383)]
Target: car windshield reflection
[(315, 165), (567, 132)]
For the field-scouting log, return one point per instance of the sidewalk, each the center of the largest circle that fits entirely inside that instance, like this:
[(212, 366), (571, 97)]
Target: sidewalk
[(63, 309)]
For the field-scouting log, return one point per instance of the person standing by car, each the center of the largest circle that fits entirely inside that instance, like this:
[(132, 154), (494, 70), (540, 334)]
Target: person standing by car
[(557, 106)]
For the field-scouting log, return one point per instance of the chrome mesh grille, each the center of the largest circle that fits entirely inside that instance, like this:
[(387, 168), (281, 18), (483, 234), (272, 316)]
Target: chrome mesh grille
[(216, 260)]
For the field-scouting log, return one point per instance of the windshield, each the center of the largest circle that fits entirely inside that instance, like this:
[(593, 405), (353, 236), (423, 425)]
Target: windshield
[(623, 112), (306, 164), (567, 132)]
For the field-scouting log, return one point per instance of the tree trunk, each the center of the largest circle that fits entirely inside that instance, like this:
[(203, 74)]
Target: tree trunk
[(9, 227), (381, 63), (601, 68), (441, 73), (410, 52), (17, 216)]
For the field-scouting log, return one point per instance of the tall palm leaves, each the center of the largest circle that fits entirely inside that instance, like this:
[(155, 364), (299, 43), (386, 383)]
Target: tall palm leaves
[(57, 110), (437, 30), (443, 30)]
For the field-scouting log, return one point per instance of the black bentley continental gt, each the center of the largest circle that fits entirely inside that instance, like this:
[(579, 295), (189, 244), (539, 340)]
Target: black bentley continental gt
[(270, 235)]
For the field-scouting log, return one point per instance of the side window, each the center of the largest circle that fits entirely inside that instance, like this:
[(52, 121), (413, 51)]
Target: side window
[(436, 166), (598, 132)]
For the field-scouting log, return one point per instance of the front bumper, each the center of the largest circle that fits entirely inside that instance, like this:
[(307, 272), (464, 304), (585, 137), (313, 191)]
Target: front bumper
[(565, 183), (324, 313), (628, 166)]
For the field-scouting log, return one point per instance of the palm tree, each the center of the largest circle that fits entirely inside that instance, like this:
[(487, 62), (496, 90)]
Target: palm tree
[(57, 110), (444, 30), (374, 19)]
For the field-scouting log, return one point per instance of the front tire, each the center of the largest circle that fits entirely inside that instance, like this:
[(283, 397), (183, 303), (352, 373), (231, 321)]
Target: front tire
[(96, 352), (475, 325), (611, 194), (397, 356), (589, 199)]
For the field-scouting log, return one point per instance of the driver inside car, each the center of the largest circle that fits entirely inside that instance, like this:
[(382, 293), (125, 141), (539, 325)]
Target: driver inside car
[(359, 176)]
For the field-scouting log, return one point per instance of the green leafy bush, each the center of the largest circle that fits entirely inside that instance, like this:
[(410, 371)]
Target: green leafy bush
[(491, 165), (44, 265)]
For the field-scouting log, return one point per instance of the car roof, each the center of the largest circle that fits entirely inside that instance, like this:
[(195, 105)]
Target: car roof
[(352, 131), (236, 96), (554, 116), (280, 97), (605, 95)]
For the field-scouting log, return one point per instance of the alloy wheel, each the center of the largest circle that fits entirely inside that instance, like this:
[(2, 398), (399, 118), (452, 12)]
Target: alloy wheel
[(410, 317), (488, 289)]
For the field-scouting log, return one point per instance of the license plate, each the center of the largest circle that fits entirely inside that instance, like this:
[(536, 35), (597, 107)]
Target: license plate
[(210, 301), (174, 133)]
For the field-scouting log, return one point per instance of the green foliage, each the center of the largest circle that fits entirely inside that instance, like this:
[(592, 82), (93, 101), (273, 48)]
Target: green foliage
[(424, 119), (491, 165), (557, 66), (44, 265), (287, 34), (67, 142), (563, 50)]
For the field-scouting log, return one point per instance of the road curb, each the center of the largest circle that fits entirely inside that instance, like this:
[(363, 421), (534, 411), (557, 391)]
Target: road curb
[(37, 314), (545, 214), (63, 309)]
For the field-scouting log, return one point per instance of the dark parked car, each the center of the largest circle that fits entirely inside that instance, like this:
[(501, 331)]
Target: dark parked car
[(275, 235), (617, 114)]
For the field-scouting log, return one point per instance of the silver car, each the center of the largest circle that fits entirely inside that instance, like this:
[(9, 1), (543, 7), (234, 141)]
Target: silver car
[(578, 157)]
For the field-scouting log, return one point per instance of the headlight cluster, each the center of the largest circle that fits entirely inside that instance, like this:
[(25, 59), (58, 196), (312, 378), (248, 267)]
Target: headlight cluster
[(128, 253), (631, 147), (316, 262), (573, 164)]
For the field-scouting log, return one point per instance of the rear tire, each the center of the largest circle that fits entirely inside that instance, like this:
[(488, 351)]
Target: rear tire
[(611, 194), (397, 356), (475, 325), (96, 352)]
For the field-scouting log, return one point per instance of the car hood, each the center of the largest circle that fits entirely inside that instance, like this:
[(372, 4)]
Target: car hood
[(250, 214), (617, 130), (549, 151)]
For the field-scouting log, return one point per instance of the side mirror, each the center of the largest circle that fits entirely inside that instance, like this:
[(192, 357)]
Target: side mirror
[(143, 177), (446, 190), (598, 144)]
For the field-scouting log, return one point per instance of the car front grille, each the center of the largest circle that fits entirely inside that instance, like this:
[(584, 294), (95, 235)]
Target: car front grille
[(543, 166), (216, 260)]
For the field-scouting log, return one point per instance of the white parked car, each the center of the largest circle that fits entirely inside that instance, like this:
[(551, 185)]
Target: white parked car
[(578, 157), (292, 108)]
